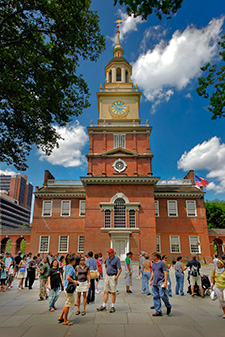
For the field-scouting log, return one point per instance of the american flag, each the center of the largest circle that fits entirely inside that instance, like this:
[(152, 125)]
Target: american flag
[(200, 181)]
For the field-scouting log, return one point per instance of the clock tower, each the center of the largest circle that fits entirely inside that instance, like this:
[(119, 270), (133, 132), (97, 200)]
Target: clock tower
[(119, 183)]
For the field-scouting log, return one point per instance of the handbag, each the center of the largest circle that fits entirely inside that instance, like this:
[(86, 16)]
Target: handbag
[(22, 269), (94, 274), (213, 295), (71, 288)]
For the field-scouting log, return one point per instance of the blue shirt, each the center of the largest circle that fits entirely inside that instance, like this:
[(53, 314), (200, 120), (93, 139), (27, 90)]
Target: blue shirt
[(69, 271), (92, 264), (112, 265), (158, 269)]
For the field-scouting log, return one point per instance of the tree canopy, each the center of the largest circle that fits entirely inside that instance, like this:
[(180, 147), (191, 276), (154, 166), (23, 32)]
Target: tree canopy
[(215, 213), (147, 7), (212, 84), (41, 44)]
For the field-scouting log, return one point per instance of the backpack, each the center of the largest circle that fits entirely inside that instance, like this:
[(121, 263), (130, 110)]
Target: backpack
[(194, 270)]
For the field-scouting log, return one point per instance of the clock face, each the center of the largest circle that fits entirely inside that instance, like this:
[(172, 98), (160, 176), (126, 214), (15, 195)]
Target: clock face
[(119, 108)]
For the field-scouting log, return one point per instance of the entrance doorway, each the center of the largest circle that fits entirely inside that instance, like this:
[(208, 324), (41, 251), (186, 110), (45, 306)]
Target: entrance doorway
[(120, 244)]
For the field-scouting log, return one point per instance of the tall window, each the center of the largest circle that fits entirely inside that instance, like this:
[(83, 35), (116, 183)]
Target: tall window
[(158, 244), (194, 244), (156, 207), (44, 244), (119, 213), (110, 76), (47, 208), (82, 208), (126, 77), (107, 218), (65, 207), (132, 219), (118, 74), (119, 141), (63, 243), (172, 208), (191, 208), (174, 243), (81, 243)]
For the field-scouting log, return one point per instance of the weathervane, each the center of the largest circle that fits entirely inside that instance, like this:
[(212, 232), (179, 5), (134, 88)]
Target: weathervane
[(118, 21)]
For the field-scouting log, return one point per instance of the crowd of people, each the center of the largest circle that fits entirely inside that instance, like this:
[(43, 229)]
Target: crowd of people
[(81, 274)]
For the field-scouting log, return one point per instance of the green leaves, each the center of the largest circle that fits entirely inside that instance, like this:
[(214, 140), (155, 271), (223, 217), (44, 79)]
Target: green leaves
[(215, 213), (147, 7), (212, 84), (41, 43)]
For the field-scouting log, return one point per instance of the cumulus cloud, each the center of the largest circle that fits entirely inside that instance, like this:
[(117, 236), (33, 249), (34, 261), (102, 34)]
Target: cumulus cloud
[(128, 25), (69, 152), (172, 65), (7, 172), (210, 156), (152, 34)]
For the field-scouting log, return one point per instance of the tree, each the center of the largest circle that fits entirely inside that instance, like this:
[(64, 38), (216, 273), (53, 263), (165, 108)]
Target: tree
[(215, 213), (213, 84), (41, 44), (147, 7)]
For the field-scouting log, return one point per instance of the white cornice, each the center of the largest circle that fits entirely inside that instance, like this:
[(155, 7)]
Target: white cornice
[(179, 195), (59, 194), (119, 180)]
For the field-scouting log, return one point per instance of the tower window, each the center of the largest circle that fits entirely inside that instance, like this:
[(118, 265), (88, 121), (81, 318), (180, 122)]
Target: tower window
[(119, 141), (126, 77), (119, 213), (110, 76), (118, 74)]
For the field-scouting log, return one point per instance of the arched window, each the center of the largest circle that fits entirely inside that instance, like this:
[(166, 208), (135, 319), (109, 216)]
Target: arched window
[(118, 74), (119, 213), (110, 76), (126, 77)]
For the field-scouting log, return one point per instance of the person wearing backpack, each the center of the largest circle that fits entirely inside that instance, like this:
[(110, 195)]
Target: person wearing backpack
[(195, 276)]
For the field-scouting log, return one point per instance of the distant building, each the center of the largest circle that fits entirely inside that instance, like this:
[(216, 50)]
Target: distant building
[(15, 208), (120, 203)]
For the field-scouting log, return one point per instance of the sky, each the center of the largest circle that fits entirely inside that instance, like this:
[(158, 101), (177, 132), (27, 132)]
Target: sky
[(166, 57)]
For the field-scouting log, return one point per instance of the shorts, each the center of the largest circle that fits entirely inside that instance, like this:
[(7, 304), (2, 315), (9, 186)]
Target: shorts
[(3, 281), (128, 279), (82, 287), (70, 299), (196, 279), (110, 283), (10, 278)]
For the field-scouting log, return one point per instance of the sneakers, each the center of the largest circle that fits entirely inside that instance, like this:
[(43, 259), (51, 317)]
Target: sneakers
[(129, 292), (157, 314), (101, 308), (152, 307), (41, 299), (112, 310), (168, 310)]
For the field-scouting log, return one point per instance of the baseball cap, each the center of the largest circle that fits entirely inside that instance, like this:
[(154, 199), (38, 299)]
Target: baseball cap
[(111, 250)]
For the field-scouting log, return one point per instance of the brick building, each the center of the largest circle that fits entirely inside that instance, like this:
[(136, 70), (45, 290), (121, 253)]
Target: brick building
[(120, 203)]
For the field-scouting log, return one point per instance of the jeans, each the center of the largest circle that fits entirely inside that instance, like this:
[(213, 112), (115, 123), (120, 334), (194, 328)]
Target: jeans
[(146, 277), (53, 296), (160, 293), (91, 292), (179, 283), (143, 288), (169, 285)]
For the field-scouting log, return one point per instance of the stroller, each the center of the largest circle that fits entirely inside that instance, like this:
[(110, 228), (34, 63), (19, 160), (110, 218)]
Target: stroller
[(206, 285)]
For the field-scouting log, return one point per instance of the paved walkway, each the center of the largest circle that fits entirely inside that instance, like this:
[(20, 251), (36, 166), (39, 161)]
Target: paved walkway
[(22, 315)]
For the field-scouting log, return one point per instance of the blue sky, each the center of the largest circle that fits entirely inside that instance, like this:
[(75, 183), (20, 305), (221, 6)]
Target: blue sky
[(166, 57)]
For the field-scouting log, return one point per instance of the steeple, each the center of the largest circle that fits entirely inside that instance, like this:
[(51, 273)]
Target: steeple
[(118, 50)]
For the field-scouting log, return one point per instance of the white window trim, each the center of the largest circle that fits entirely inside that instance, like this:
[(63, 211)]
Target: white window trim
[(168, 202), (63, 251), (199, 246), (135, 218), (193, 201), (178, 243), (156, 208), (80, 202), (63, 201), (46, 201), (78, 244), (105, 218), (40, 251), (119, 134), (159, 243)]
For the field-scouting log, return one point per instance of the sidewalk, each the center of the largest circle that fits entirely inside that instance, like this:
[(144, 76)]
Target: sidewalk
[(22, 315)]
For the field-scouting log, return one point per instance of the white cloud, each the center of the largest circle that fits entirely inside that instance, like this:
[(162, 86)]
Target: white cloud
[(69, 152), (128, 25), (173, 65), (8, 172), (210, 156), (188, 95), (152, 34)]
